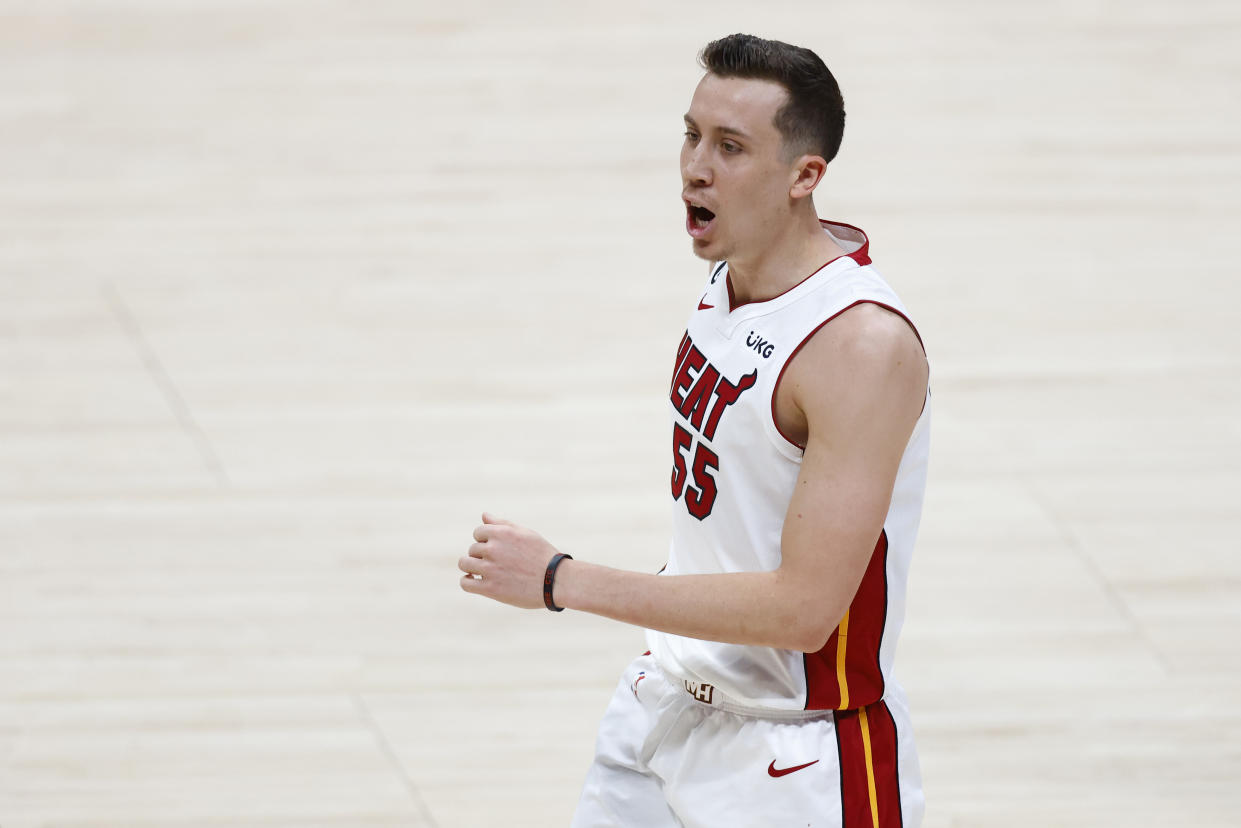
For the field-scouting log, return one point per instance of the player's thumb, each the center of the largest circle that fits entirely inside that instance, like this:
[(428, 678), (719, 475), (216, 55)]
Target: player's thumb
[(490, 518)]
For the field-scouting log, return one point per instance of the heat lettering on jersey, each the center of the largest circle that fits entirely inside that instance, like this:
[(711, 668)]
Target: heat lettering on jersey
[(701, 394)]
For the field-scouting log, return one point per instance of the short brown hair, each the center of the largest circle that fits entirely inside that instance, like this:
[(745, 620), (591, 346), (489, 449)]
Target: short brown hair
[(813, 118)]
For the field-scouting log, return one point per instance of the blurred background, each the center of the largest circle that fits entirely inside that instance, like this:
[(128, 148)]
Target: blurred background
[(290, 292)]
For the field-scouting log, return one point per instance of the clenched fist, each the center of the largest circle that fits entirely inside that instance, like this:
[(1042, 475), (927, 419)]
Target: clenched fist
[(506, 562)]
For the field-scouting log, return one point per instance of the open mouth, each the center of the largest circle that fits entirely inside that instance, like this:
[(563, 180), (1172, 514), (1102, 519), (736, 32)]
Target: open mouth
[(697, 219)]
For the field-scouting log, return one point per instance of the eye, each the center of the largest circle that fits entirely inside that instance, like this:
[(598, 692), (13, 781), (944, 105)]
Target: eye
[(730, 147), (691, 136)]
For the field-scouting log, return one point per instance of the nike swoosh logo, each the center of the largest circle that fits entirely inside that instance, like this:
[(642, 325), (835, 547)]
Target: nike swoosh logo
[(771, 769)]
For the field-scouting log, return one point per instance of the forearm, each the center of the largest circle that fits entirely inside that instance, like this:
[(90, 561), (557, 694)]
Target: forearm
[(791, 608), (759, 608)]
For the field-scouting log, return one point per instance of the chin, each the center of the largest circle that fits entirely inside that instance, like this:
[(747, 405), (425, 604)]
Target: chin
[(707, 251)]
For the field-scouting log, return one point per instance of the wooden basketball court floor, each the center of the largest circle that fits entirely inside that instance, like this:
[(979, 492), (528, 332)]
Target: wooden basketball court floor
[(292, 291)]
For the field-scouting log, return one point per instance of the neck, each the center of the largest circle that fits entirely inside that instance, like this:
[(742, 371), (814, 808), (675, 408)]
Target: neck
[(787, 260)]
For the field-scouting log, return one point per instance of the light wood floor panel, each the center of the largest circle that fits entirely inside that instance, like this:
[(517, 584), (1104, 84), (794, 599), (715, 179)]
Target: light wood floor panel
[(292, 291)]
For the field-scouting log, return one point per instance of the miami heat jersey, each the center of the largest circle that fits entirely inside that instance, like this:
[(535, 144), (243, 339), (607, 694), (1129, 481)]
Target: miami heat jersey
[(734, 474)]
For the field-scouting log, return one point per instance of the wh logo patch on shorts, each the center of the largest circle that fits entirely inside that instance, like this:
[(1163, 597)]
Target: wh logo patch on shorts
[(700, 690)]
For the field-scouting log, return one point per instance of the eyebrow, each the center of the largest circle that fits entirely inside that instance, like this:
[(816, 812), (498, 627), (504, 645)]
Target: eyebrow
[(724, 129)]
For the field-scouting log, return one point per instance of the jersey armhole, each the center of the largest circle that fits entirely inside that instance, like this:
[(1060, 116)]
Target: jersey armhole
[(787, 445)]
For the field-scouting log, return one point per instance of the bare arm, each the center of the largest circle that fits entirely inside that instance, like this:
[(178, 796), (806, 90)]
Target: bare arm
[(857, 387)]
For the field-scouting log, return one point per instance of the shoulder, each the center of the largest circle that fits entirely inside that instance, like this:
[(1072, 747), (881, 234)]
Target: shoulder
[(875, 320), (864, 338), (866, 358)]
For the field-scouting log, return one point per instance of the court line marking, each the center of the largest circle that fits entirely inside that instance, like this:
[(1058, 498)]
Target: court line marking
[(1118, 602), (159, 375), (385, 746)]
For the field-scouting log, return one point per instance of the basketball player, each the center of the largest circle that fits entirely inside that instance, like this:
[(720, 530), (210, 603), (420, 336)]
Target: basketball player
[(799, 446)]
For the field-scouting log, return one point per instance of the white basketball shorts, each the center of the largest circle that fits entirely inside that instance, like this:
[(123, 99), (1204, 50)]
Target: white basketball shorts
[(672, 754)]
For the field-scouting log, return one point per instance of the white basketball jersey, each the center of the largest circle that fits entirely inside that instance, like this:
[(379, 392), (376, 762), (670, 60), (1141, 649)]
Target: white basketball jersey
[(734, 474)]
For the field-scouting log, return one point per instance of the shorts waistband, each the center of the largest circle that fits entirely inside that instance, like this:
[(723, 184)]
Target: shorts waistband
[(708, 695)]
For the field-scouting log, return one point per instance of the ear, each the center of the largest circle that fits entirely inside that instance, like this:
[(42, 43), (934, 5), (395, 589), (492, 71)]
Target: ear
[(807, 172)]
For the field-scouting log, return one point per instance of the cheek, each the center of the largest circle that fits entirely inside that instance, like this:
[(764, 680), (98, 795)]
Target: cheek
[(768, 197)]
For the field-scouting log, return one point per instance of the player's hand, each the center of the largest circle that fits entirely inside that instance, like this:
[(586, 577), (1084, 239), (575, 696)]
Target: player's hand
[(506, 562)]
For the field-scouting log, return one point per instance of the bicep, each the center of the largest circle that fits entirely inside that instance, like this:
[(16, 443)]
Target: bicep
[(834, 519)]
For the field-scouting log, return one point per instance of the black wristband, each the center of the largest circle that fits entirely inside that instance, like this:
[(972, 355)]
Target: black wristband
[(549, 580)]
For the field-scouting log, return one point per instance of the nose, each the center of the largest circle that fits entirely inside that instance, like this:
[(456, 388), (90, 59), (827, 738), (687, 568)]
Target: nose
[(695, 168)]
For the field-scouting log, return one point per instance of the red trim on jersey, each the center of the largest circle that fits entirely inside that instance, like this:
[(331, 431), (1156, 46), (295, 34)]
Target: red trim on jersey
[(866, 743), (862, 672), (682, 350), (776, 388), (861, 256)]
